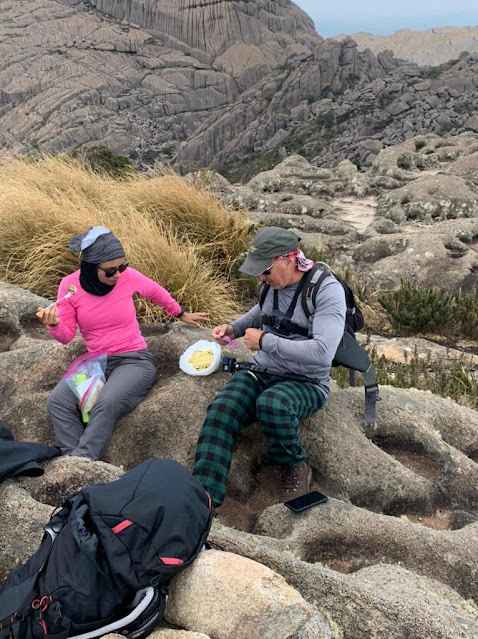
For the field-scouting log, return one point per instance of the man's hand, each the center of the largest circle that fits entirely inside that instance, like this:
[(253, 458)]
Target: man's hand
[(218, 332), (194, 319), (251, 338), (48, 316)]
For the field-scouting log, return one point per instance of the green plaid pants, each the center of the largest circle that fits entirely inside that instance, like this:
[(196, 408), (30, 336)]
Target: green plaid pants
[(278, 404)]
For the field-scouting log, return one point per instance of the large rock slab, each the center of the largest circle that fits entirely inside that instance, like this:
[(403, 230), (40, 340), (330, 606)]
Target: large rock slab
[(346, 538), (386, 601), (417, 255), (430, 197), (243, 599)]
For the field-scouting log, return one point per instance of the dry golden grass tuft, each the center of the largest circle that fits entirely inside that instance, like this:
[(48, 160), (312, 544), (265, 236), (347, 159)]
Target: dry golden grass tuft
[(179, 236)]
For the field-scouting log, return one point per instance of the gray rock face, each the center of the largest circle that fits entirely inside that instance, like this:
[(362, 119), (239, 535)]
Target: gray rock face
[(215, 84), (334, 68), (242, 39), (382, 601), (136, 76), (443, 254), (352, 106), (431, 197)]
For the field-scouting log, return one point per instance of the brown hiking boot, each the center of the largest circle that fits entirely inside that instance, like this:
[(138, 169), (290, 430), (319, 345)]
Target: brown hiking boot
[(295, 480)]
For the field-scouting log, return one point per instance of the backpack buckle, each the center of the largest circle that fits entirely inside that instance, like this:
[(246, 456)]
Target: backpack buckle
[(373, 392)]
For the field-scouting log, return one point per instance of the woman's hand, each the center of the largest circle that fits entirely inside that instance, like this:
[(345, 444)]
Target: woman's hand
[(48, 316), (218, 332), (194, 319)]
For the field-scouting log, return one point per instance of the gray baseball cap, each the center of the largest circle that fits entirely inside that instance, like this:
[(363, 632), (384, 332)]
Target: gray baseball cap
[(268, 243)]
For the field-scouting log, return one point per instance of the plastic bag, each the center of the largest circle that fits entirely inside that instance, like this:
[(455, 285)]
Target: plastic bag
[(201, 358), (86, 378)]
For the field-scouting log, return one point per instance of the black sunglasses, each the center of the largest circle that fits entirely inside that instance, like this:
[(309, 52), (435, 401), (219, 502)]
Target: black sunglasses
[(269, 268), (109, 272)]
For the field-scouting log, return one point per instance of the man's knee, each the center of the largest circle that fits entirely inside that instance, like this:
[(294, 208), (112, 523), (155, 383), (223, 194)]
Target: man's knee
[(270, 402)]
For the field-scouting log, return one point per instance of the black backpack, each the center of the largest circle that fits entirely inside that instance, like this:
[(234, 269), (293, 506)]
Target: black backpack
[(107, 544), (349, 352)]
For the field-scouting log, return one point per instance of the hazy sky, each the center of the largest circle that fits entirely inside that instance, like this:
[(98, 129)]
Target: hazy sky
[(382, 17)]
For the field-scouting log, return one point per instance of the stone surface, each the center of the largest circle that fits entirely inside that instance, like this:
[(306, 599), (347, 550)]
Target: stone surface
[(392, 553), (387, 602), (243, 599), (137, 76)]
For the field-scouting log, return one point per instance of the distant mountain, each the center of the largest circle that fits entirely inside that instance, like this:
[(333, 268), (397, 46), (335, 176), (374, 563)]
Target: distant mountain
[(431, 47)]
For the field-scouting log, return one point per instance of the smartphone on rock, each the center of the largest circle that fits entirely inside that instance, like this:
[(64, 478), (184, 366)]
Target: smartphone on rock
[(298, 504)]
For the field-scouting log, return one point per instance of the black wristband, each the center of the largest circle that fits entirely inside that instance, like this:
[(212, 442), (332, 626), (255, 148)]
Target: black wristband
[(180, 314), (260, 339)]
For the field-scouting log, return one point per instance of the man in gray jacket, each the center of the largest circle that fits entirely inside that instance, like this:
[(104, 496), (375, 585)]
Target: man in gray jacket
[(289, 379)]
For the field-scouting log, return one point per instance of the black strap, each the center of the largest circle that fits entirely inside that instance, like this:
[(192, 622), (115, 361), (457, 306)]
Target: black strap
[(310, 293), (263, 293), (371, 395), (254, 368), (268, 320), (293, 304)]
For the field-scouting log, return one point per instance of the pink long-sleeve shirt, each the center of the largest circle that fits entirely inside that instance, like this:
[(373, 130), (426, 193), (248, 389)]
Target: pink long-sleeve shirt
[(108, 323)]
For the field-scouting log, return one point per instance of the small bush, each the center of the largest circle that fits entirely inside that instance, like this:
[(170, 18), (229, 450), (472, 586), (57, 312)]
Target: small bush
[(101, 159), (457, 383), (448, 126), (463, 107), (412, 310), (243, 168), (384, 99), (435, 72), (325, 120)]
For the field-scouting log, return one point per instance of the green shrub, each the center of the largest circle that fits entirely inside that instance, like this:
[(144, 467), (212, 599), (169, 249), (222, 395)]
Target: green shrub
[(463, 107), (448, 126), (435, 72), (412, 310), (243, 168), (325, 120), (383, 99), (420, 143), (101, 159), (457, 383)]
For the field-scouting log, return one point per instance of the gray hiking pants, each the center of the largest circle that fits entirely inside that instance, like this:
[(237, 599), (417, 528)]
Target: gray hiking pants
[(129, 377)]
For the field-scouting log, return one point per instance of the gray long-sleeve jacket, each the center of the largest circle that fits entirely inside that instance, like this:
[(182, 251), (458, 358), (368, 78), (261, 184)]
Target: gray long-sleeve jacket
[(296, 353)]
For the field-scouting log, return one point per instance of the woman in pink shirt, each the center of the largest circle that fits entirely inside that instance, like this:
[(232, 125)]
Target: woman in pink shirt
[(102, 308)]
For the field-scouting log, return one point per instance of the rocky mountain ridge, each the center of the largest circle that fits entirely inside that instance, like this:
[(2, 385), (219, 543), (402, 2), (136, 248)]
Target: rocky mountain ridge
[(340, 103), (149, 81), (77, 73), (428, 47)]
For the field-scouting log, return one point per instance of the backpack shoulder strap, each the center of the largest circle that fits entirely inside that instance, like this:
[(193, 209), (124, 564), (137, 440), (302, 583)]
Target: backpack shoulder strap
[(353, 356), (310, 290), (263, 294)]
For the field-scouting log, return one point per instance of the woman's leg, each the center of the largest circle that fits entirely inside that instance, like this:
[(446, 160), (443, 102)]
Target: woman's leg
[(130, 377), (62, 407), (280, 409), (232, 408)]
